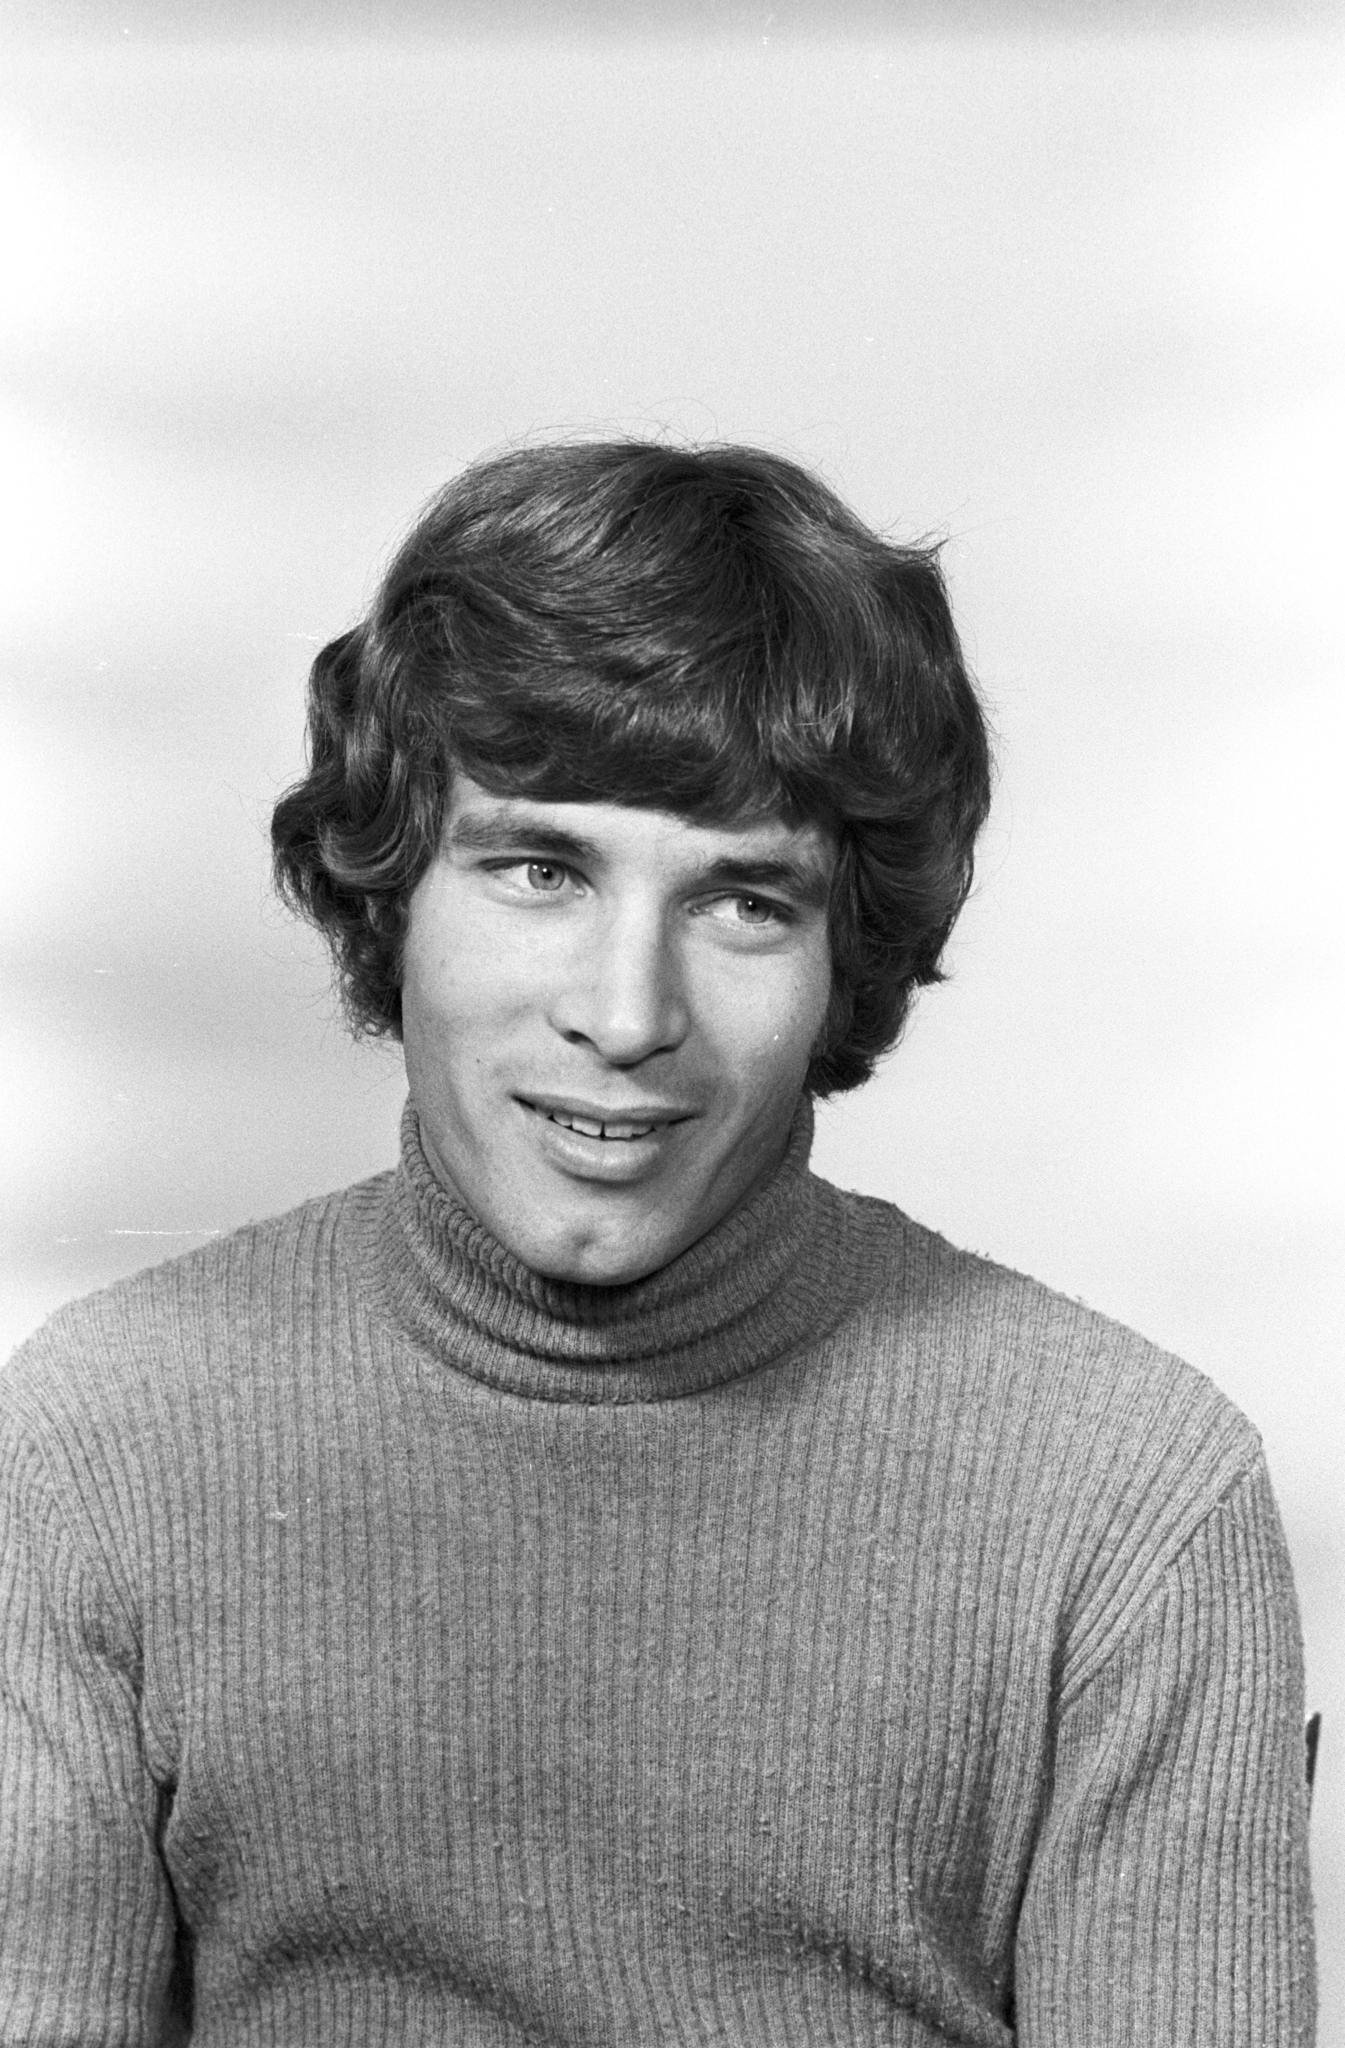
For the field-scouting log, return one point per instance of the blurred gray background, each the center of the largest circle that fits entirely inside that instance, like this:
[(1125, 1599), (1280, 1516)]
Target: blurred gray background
[(1060, 282)]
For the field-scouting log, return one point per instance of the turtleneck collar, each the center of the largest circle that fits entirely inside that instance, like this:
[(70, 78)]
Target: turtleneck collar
[(751, 1289)]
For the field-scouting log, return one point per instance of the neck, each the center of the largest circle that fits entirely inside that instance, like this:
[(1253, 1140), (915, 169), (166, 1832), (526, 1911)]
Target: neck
[(746, 1292)]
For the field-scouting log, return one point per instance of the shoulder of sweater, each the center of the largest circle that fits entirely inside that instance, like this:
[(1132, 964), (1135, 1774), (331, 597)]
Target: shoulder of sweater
[(1029, 1342), (1123, 1448), (1232, 1561), (92, 1355)]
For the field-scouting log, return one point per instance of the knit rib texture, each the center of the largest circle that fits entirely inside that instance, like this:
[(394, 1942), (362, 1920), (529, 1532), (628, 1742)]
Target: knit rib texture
[(834, 1638)]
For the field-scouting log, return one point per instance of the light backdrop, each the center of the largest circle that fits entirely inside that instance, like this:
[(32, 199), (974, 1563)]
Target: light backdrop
[(1066, 293)]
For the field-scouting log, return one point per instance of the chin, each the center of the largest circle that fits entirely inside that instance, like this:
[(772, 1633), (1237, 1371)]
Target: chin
[(599, 1264), (599, 1269)]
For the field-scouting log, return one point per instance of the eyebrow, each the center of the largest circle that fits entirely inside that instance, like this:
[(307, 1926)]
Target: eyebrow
[(803, 878), (493, 833)]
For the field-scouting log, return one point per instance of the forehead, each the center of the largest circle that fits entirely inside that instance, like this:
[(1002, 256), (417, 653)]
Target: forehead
[(612, 832)]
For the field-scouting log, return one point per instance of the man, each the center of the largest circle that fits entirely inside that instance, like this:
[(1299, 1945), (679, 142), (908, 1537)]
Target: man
[(600, 1584)]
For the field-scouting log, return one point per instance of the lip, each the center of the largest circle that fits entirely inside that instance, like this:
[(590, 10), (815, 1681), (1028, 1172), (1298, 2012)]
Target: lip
[(620, 1160), (621, 1114)]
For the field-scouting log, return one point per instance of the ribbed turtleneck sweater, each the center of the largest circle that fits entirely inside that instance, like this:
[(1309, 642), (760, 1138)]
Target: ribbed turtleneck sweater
[(834, 1638)]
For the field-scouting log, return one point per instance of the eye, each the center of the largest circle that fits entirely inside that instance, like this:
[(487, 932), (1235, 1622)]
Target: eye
[(546, 876), (755, 910), (743, 908)]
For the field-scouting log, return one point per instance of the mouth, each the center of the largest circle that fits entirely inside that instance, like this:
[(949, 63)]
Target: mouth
[(622, 1129)]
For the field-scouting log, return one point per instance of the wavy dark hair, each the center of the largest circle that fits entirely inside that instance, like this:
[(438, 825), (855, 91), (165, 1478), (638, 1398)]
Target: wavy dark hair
[(707, 631)]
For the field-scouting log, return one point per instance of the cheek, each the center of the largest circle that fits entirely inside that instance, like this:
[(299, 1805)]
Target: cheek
[(770, 1018), (465, 982), (806, 989), (821, 980), (813, 999), (439, 972)]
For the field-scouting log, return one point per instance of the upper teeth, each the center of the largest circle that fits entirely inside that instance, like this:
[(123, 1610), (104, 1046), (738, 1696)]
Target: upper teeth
[(589, 1127)]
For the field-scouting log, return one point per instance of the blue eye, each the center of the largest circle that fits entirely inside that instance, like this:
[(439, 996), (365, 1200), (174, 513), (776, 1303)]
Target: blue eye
[(546, 875), (753, 911), (741, 908)]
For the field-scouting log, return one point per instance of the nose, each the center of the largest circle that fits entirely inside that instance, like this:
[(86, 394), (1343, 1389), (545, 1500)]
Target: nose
[(623, 993)]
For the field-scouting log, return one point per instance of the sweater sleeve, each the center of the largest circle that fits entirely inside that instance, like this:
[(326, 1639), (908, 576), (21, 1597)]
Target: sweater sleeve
[(87, 1919), (1168, 1899)]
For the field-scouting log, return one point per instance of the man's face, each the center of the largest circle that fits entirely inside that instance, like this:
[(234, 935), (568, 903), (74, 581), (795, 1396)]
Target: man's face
[(608, 1015)]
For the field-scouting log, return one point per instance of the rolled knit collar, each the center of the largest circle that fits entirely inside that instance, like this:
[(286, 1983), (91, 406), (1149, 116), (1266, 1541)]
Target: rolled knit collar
[(755, 1286)]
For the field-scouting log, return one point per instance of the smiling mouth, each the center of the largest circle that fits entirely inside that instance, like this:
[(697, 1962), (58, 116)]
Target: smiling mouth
[(614, 1130)]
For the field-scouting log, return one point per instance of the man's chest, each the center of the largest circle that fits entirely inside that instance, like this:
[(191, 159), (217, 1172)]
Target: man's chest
[(757, 1699)]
